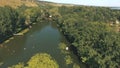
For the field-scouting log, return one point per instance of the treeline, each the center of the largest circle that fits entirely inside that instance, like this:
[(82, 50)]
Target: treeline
[(8, 19), (13, 21), (96, 43), (90, 13)]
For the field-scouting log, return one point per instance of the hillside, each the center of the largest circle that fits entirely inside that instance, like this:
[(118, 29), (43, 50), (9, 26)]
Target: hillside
[(16, 3), (54, 4), (30, 3)]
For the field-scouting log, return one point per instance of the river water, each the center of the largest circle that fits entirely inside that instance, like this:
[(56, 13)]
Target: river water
[(42, 38)]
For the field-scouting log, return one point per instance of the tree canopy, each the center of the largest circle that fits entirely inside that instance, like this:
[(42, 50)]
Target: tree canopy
[(40, 60), (88, 30)]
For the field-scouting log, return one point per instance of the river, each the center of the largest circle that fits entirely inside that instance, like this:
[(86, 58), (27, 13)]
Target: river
[(42, 38)]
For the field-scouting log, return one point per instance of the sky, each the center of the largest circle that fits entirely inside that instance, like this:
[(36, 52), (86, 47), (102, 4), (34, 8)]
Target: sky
[(107, 3)]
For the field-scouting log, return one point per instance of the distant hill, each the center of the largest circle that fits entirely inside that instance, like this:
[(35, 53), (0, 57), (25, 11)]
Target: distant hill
[(16, 3), (34, 3), (115, 8), (54, 4), (29, 3)]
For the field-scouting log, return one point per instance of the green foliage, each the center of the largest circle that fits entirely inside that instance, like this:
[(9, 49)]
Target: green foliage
[(19, 65), (8, 19), (76, 66), (13, 21), (40, 60), (83, 59), (87, 29), (62, 46), (68, 59), (98, 14)]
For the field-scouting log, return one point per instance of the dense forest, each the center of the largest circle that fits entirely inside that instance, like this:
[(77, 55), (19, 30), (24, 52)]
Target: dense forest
[(93, 38), (93, 32)]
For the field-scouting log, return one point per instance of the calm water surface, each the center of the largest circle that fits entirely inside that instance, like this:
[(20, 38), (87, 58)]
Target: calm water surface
[(42, 38)]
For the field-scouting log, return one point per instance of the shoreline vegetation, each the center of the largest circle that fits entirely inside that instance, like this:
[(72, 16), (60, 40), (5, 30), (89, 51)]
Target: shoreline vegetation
[(19, 20), (21, 33), (96, 43)]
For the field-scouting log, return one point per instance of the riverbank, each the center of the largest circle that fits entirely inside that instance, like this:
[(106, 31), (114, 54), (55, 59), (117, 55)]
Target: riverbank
[(41, 38), (21, 33)]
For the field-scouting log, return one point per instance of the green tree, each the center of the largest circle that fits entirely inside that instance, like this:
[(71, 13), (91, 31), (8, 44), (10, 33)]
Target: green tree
[(40, 60)]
